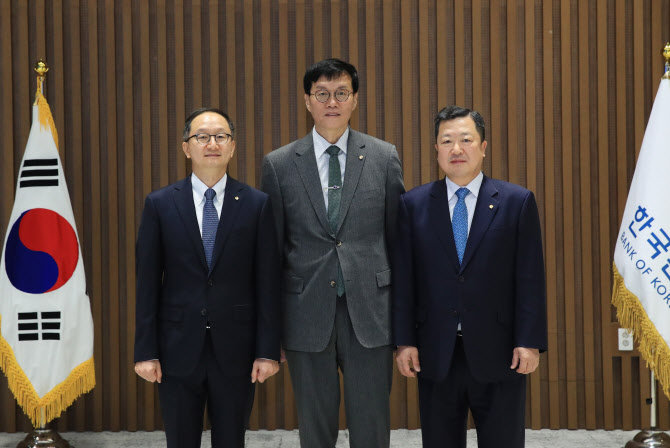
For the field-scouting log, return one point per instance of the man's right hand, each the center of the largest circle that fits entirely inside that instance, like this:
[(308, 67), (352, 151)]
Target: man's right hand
[(149, 370), (407, 358)]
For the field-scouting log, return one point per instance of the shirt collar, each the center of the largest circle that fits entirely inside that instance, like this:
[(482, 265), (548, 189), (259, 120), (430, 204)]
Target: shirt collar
[(474, 186), (199, 188), (321, 144)]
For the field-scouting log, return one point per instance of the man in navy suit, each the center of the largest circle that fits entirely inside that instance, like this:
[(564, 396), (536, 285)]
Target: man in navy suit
[(207, 263), (469, 295)]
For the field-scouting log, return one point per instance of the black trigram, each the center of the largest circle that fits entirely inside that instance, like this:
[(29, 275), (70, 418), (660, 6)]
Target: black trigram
[(46, 326), (45, 170)]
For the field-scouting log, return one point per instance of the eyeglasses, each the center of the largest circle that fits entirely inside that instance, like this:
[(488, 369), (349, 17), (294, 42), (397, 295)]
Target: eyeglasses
[(221, 138), (341, 95)]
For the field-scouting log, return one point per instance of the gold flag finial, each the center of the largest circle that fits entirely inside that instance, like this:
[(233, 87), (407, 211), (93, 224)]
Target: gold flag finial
[(41, 68), (666, 55)]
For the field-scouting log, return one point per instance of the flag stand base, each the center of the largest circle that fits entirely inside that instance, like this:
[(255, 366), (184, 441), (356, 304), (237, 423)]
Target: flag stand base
[(44, 438), (650, 439)]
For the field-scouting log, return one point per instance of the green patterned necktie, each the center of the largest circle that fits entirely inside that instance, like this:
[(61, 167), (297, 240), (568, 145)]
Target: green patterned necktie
[(334, 199)]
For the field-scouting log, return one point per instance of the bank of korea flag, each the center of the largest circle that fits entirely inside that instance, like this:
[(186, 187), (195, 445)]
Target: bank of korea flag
[(46, 343), (642, 254)]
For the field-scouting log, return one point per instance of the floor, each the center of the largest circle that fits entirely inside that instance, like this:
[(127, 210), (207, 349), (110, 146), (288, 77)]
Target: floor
[(544, 438)]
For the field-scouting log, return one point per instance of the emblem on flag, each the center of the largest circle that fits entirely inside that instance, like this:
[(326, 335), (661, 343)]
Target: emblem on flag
[(46, 328)]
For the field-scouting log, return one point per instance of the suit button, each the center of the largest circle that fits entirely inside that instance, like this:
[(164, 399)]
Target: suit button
[(210, 282), (203, 312), (455, 313), (461, 279), (339, 243), (333, 284)]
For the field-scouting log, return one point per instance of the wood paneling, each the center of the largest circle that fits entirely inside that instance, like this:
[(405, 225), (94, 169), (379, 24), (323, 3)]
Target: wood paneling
[(566, 88)]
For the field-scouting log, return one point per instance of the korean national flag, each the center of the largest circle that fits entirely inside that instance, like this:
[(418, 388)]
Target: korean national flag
[(46, 328)]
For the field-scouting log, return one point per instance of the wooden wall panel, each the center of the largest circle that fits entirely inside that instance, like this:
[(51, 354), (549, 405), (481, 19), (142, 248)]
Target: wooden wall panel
[(566, 88)]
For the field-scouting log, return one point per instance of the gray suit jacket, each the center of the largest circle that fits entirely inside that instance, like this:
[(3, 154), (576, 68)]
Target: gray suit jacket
[(310, 249)]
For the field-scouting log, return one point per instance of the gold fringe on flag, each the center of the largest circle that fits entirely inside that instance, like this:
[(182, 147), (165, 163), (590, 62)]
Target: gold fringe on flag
[(44, 114), (632, 315), (80, 380)]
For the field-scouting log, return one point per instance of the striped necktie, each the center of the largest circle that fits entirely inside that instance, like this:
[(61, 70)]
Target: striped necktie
[(210, 222)]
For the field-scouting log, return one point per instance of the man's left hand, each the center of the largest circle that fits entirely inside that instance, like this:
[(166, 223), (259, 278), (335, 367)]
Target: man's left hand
[(526, 359), (263, 369)]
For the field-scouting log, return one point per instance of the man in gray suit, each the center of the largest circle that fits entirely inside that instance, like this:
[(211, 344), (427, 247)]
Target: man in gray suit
[(335, 195)]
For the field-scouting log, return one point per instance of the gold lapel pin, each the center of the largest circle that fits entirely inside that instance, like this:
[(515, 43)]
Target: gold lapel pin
[(491, 206), (360, 157), (237, 198)]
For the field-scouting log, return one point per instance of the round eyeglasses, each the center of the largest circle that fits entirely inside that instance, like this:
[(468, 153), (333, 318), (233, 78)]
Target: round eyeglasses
[(322, 96), (221, 138)]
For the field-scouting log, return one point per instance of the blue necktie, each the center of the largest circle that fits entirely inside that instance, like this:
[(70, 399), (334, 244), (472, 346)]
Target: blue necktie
[(460, 223), (334, 198), (210, 222)]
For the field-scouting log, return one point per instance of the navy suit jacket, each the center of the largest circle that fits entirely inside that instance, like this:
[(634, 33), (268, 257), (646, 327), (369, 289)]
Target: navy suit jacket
[(177, 294), (497, 293)]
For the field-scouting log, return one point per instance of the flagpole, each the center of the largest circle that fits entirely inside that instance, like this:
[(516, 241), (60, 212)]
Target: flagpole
[(43, 437)]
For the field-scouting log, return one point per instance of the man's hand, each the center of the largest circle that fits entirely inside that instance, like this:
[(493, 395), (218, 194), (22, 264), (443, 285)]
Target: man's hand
[(408, 360), (149, 370), (526, 359), (282, 356), (263, 369)]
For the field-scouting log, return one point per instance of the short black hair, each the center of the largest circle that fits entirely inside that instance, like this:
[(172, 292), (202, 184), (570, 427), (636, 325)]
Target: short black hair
[(202, 110), (453, 112), (330, 69)]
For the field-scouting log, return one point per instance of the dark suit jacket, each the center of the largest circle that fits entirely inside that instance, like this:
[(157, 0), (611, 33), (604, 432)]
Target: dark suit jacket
[(498, 293), (177, 294)]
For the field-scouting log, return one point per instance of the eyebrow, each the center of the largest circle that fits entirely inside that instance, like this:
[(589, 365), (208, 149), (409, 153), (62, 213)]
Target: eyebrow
[(457, 134), (220, 129), (321, 86)]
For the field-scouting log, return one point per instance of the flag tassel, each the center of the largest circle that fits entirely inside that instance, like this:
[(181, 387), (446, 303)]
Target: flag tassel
[(632, 315), (80, 380)]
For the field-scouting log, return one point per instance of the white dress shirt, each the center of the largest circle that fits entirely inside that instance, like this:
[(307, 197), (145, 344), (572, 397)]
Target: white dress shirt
[(199, 199), (470, 199), (323, 158)]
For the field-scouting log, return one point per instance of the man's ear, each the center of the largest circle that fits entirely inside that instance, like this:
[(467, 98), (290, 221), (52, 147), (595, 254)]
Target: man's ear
[(184, 147), (307, 105)]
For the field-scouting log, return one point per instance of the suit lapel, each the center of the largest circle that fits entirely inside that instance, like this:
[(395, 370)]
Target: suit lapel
[(485, 210), (352, 173), (305, 162), (233, 197), (441, 221), (183, 199)]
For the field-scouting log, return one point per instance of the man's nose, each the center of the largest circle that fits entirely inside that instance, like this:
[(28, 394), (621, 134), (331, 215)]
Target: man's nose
[(211, 142), (331, 101), (456, 149)]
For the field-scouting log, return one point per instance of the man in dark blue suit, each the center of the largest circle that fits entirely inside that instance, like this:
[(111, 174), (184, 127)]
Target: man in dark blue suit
[(207, 264), (469, 295)]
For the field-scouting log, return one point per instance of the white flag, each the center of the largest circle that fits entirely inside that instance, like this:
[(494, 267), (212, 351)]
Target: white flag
[(46, 328), (642, 254)]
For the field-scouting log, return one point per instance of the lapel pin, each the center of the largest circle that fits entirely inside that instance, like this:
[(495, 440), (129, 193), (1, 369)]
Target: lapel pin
[(360, 157), (491, 206), (237, 198)]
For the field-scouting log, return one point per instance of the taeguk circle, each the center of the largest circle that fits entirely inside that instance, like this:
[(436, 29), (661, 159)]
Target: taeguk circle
[(42, 251)]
